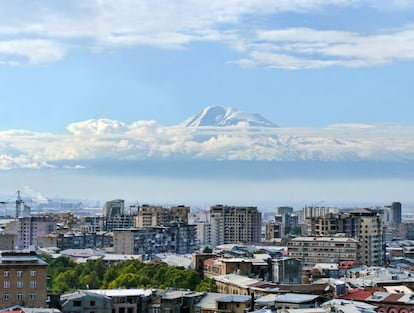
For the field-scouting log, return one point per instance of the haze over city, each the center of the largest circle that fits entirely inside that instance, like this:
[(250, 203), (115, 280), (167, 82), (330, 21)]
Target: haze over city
[(241, 102)]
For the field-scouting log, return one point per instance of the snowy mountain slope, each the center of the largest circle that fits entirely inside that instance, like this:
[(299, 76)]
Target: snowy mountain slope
[(219, 116)]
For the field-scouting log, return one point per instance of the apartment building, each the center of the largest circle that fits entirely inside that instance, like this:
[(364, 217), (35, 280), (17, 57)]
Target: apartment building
[(28, 228), (235, 224), (177, 238), (314, 250), (365, 225), (150, 215), (22, 279)]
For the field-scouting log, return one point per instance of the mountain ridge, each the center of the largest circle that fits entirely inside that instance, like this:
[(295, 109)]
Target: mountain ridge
[(226, 116)]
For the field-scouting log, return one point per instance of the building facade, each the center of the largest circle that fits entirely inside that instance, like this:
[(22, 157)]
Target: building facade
[(177, 238), (23, 279), (149, 215), (365, 225), (235, 224), (314, 250)]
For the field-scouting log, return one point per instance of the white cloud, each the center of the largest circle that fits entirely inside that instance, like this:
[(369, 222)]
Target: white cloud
[(46, 31), (104, 139), (34, 50), (301, 48)]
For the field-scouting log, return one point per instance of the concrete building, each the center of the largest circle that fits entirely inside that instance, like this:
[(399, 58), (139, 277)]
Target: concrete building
[(113, 208), (108, 301), (314, 250), (235, 224), (85, 301), (28, 229), (282, 226), (286, 271), (22, 279), (364, 225), (395, 213), (177, 238), (149, 215)]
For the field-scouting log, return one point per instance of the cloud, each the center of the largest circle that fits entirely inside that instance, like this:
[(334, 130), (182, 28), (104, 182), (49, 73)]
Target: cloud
[(46, 31), (302, 48), (94, 141), (35, 51)]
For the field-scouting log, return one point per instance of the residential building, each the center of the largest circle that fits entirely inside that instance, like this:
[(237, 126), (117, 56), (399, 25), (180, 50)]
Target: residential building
[(29, 228), (149, 215), (7, 241), (235, 224), (177, 238), (282, 302), (76, 240), (22, 279), (286, 271), (365, 225), (313, 250), (85, 301), (253, 267), (108, 301)]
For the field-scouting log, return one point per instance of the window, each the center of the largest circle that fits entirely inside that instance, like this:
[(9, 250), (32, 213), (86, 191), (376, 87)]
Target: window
[(6, 296), (32, 296), (6, 284), (77, 303), (33, 273), (19, 284), (33, 284), (19, 273), (6, 273), (92, 303), (19, 296)]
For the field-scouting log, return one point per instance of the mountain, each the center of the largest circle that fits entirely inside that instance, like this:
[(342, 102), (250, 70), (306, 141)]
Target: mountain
[(219, 116)]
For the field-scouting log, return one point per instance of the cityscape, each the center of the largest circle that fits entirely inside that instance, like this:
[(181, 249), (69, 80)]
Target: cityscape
[(192, 156)]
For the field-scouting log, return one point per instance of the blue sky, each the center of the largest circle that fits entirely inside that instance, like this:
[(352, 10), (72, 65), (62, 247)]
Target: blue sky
[(304, 65)]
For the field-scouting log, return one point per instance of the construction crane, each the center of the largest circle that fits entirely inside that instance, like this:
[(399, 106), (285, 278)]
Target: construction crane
[(19, 203)]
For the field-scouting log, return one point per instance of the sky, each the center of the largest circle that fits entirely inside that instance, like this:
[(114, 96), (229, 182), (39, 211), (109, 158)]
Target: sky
[(92, 92)]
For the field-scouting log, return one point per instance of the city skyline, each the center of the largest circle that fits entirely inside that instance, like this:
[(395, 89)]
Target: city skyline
[(94, 94)]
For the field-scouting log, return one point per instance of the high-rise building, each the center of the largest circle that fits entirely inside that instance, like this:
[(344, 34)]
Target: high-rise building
[(28, 229), (395, 213), (364, 225), (150, 215), (113, 208), (235, 224)]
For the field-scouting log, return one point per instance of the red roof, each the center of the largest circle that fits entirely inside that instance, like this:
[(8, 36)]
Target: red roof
[(394, 297), (358, 295), (210, 261)]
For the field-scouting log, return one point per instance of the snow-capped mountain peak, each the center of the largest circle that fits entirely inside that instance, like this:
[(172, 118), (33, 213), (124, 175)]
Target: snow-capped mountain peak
[(220, 116)]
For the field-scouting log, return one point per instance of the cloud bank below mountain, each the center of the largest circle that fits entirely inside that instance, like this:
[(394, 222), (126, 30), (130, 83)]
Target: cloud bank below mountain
[(110, 145)]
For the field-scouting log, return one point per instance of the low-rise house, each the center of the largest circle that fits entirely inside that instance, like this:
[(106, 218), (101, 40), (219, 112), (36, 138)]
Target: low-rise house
[(107, 301), (179, 301), (84, 301), (288, 301), (233, 304)]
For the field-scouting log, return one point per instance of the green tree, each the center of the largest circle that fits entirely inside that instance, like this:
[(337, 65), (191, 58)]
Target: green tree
[(207, 285)]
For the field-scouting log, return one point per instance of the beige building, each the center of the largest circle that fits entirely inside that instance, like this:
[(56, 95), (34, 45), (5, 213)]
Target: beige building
[(149, 215), (22, 279), (314, 250), (364, 225), (235, 224), (28, 229)]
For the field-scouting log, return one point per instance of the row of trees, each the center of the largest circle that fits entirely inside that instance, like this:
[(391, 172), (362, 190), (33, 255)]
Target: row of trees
[(65, 275)]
